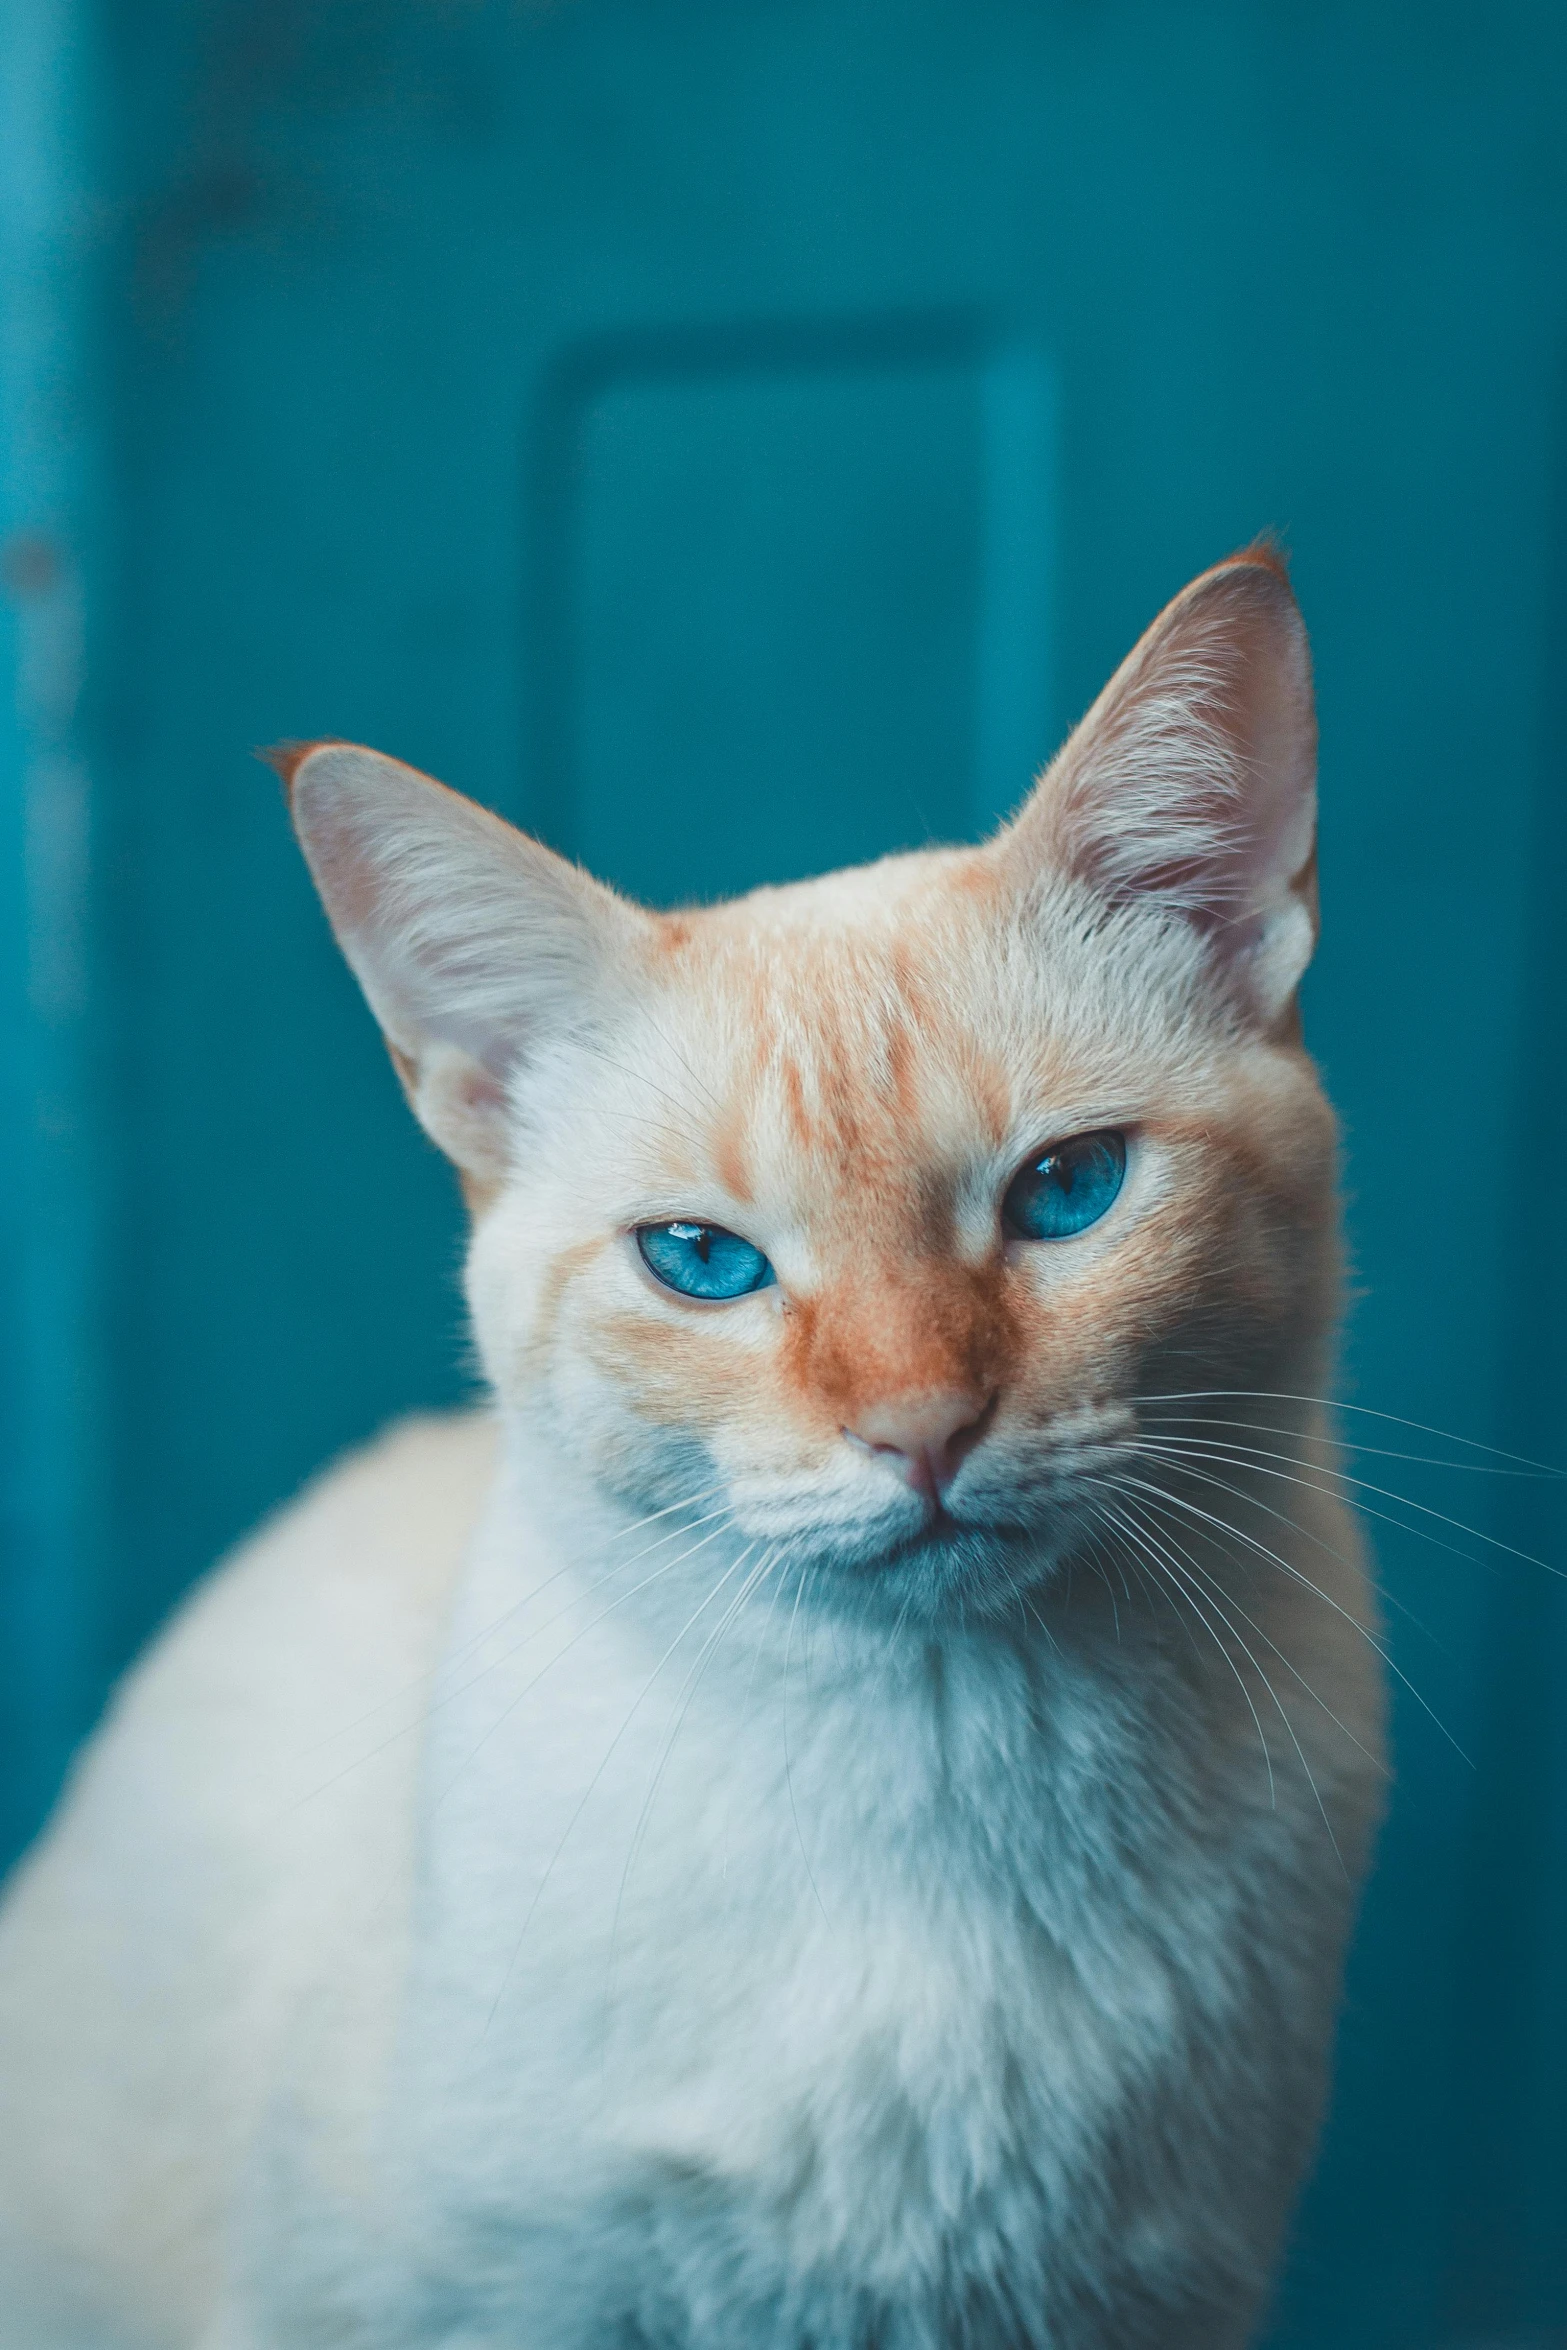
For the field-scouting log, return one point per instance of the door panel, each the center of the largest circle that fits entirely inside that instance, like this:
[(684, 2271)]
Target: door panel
[(790, 598)]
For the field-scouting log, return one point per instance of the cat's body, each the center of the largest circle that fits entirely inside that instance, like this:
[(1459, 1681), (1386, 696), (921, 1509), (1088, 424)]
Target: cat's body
[(833, 1826)]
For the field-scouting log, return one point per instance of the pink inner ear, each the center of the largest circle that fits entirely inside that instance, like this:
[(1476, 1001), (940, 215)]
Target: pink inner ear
[(1191, 782), (464, 934)]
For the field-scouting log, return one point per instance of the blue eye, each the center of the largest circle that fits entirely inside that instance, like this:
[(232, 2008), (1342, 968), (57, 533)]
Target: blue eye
[(1067, 1188), (703, 1260)]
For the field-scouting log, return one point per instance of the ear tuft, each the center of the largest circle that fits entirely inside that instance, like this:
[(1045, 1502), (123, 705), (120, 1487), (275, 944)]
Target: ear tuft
[(1191, 784), (286, 759), (474, 944), (1267, 549)]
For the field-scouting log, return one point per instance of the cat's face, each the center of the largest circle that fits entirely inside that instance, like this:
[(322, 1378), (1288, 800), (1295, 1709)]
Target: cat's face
[(849, 1077), (867, 1210)]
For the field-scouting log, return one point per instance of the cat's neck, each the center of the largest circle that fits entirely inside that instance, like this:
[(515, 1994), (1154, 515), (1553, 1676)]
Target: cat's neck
[(847, 1762), (674, 1587)]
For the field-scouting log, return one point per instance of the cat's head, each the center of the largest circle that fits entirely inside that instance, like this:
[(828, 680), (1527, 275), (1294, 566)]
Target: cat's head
[(869, 1208)]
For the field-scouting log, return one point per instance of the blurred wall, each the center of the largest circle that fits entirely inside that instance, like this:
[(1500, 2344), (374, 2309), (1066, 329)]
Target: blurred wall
[(734, 436)]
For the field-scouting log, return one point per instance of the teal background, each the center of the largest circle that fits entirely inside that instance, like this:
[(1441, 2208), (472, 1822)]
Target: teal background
[(733, 436)]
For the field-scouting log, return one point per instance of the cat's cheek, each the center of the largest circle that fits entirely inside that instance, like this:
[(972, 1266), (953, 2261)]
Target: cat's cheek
[(593, 1427), (690, 1368), (504, 1290), (522, 1283), (625, 1384), (1210, 1281)]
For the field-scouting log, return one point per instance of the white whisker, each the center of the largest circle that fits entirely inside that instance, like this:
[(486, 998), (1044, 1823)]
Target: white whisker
[(1223, 1526), (1354, 1445), (604, 1760), (1148, 1451), (1255, 1458), (451, 1696), (788, 1764), (1166, 1566), (1330, 1403), (1295, 1674), (451, 1662), (685, 1697)]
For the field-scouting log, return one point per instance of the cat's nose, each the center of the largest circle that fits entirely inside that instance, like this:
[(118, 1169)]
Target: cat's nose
[(926, 1438)]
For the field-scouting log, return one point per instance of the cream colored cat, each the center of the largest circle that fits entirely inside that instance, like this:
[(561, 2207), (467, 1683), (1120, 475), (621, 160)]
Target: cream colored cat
[(825, 1822)]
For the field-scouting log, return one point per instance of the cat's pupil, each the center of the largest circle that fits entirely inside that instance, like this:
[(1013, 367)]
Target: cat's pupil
[(1065, 1189), (703, 1260)]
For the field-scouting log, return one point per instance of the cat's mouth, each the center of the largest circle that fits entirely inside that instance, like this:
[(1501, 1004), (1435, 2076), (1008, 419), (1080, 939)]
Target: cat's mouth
[(976, 1546), (937, 1524), (948, 1563), (943, 1531)]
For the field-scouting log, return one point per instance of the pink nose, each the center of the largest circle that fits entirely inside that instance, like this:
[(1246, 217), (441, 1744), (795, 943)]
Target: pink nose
[(925, 1437)]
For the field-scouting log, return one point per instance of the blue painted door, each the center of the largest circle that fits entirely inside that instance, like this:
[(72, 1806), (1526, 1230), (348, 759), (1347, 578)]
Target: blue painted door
[(734, 438)]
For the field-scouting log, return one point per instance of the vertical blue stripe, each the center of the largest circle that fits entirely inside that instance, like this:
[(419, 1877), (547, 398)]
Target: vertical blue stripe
[(1507, 2243), (1017, 720), (49, 1173)]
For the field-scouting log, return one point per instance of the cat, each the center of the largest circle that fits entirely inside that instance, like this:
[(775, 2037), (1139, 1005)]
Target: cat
[(821, 1820)]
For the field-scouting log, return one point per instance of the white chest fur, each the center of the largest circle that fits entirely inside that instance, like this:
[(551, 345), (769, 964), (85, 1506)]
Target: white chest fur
[(801, 1984)]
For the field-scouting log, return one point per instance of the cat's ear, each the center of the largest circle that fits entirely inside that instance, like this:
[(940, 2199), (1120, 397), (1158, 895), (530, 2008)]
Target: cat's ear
[(473, 943), (1191, 783)]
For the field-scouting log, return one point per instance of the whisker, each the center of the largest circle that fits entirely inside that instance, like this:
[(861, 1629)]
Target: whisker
[(670, 1045), (687, 1501), (515, 1650), (788, 1764), (692, 1683), (902, 1617), (1294, 1739), (1164, 1452), (597, 1583), (451, 1696), (684, 1702), (1028, 1605), (1097, 1564), (453, 1661), (1330, 1403), (1266, 1637), (669, 1567), (1159, 1586), (1146, 1450), (604, 1762), (1100, 1553), (762, 1641), (686, 1131), (1166, 1566), (1254, 1457), (1223, 1526), (1353, 1444)]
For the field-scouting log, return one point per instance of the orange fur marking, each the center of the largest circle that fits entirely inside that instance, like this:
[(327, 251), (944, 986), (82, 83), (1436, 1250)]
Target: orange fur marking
[(286, 759), (729, 1162), (562, 1272), (952, 1331)]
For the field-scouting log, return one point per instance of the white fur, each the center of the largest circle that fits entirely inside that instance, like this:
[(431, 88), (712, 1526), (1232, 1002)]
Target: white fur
[(928, 1968), (524, 1905)]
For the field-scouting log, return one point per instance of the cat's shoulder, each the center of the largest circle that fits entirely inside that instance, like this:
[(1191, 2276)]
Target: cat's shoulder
[(362, 1558), (397, 1512), (246, 1799), (336, 1602)]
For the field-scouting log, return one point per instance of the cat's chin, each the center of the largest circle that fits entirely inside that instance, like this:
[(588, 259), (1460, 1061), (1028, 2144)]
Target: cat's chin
[(946, 1572)]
